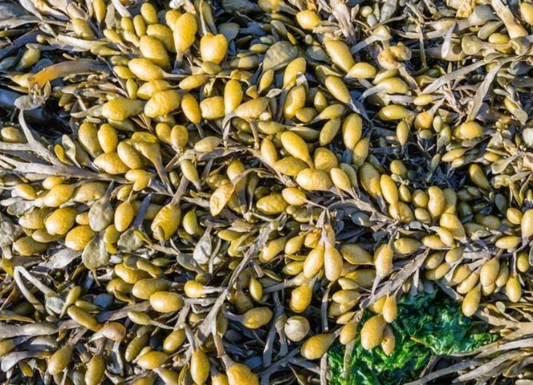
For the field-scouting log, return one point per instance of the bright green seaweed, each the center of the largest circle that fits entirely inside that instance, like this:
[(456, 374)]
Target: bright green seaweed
[(427, 325)]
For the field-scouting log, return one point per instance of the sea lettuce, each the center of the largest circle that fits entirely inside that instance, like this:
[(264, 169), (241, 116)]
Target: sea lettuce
[(428, 324)]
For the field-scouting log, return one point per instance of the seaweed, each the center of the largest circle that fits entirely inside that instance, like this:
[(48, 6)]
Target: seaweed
[(427, 325)]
